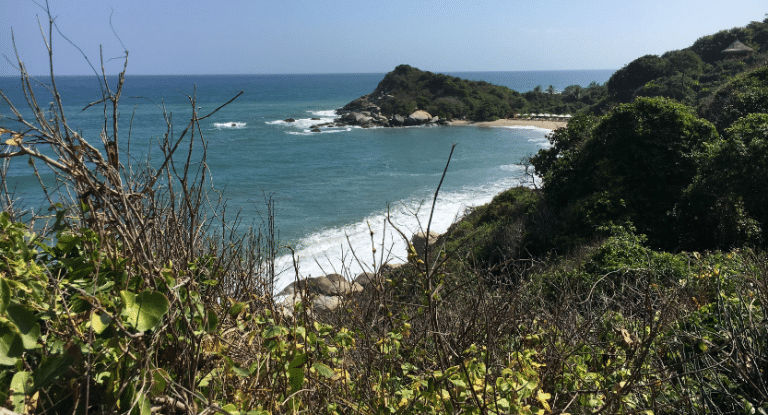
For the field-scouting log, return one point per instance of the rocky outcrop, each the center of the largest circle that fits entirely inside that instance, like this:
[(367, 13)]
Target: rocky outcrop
[(365, 112), (328, 292), (421, 240)]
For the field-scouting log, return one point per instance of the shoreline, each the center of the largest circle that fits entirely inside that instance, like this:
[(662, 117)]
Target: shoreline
[(516, 122)]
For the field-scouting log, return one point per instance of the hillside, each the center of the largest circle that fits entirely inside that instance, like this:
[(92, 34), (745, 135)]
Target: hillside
[(692, 76), (407, 89)]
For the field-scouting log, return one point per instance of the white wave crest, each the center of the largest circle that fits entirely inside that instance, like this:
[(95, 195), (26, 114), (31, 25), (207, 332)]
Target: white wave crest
[(324, 114), (527, 127), (318, 118), (229, 124), (348, 250)]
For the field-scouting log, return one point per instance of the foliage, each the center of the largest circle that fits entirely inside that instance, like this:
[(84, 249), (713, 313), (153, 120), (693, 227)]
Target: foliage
[(626, 80), (494, 235), (74, 322), (747, 93), (726, 204), (691, 75), (630, 167), (408, 89), (103, 312), (710, 47)]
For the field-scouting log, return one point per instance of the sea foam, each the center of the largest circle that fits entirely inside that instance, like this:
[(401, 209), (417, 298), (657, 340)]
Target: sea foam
[(349, 249), (229, 124)]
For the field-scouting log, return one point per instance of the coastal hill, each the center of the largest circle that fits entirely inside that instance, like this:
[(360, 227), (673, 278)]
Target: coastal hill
[(695, 76), (407, 90), (409, 96)]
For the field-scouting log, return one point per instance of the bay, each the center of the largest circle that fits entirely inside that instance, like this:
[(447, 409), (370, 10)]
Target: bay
[(331, 188)]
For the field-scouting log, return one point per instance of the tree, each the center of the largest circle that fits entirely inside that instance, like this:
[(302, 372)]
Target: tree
[(746, 94), (684, 62), (626, 80), (727, 205), (573, 92), (710, 48), (631, 167), (551, 90)]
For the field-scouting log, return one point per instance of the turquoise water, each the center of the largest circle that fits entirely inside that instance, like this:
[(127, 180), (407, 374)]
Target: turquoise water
[(328, 187)]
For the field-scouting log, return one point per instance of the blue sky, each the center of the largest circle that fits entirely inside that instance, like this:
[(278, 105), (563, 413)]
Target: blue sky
[(303, 36)]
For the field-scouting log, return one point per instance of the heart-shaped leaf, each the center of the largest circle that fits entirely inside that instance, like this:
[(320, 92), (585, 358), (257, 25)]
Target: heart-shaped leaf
[(145, 310)]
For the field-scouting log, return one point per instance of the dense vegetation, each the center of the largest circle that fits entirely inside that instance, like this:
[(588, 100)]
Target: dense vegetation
[(633, 280), (407, 89), (695, 76)]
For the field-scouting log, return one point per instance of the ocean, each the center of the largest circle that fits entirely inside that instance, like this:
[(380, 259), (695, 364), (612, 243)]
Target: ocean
[(332, 188)]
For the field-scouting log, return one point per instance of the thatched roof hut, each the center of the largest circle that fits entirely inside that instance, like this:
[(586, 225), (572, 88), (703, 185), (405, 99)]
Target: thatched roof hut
[(737, 50)]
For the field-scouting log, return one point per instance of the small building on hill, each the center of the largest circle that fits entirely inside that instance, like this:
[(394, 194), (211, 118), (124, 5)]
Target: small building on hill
[(737, 50)]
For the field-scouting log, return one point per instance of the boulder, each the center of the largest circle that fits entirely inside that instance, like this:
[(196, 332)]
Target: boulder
[(289, 120), (367, 278), (397, 120), (325, 303), (319, 285), (335, 277), (315, 130), (350, 116), (418, 118), (340, 285), (287, 306), (359, 104), (421, 240)]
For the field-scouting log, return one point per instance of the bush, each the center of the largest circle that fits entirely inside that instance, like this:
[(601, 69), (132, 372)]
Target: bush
[(630, 167)]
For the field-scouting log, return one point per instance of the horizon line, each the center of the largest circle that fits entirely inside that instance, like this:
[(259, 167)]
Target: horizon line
[(310, 73)]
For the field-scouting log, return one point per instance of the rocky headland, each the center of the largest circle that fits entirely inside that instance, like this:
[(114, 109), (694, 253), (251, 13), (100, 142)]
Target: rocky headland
[(408, 97)]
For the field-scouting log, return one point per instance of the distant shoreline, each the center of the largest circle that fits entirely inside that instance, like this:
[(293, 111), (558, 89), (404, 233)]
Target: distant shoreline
[(509, 122)]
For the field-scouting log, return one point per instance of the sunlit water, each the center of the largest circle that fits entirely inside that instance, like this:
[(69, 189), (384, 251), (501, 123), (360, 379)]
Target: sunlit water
[(331, 188)]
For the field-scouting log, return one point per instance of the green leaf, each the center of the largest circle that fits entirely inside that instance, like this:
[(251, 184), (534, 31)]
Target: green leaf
[(5, 295), (274, 331), (100, 322), (50, 369), (20, 387), (324, 370), (159, 382), (212, 322), (145, 407), (236, 309), (230, 408), (11, 346), (26, 323), (296, 372), (145, 310), (243, 373)]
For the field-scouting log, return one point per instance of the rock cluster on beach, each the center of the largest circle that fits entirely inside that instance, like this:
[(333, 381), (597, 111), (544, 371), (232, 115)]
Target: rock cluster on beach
[(326, 293), (364, 112)]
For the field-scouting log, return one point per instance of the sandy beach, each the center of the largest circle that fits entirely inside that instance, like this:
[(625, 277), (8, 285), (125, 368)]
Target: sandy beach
[(509, 122)]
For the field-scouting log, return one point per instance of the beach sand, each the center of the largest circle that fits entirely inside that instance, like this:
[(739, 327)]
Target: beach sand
[(549, 125)]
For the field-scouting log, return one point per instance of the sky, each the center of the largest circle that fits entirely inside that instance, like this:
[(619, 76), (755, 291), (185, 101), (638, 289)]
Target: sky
[(200, 37)]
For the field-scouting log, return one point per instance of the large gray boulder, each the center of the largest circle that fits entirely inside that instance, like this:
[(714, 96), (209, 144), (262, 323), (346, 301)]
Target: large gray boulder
[(325, 302), (332, 284), (367, 278), (418, 118), (421, 240), (319, 285), (397, 120)]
